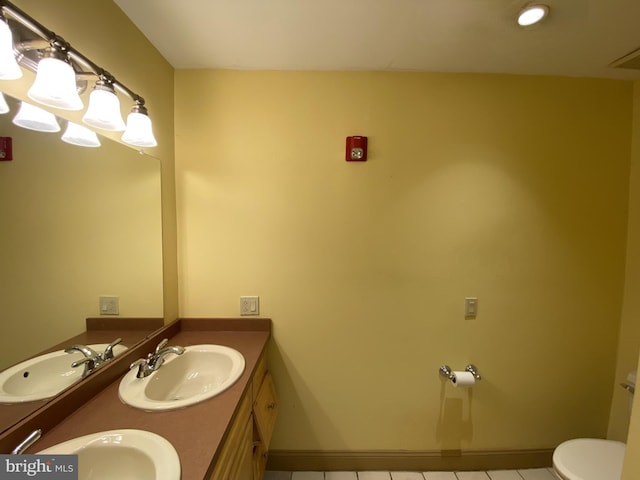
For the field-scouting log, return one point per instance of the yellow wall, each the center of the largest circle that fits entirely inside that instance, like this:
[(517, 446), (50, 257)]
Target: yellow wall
[(630, 331), (101, 31), (512, 189), (629, 342)]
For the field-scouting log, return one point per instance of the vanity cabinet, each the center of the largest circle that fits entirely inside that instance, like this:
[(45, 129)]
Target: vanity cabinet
[(243, 455)]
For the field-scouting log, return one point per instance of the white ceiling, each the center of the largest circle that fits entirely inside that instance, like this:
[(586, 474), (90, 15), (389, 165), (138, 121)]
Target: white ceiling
[(579, 38)]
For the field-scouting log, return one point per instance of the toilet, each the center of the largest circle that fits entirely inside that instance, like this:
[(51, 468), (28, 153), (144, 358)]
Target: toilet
[(592, 458), (589, 459)]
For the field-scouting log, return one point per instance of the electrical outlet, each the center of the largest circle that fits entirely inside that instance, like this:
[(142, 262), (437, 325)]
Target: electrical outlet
[(109, 305), (249, 305)]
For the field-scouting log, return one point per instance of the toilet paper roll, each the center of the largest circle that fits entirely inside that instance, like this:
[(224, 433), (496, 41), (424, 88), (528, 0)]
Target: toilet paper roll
[(632, 378), (463, 379)]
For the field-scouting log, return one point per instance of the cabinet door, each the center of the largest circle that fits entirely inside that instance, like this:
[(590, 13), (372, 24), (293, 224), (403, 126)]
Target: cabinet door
[(244, 464), (265, 410), (236, 455), (259, 458), (258, 376)]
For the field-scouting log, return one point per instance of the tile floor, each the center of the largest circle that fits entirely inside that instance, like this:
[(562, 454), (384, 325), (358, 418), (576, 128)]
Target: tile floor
[(527, 474)]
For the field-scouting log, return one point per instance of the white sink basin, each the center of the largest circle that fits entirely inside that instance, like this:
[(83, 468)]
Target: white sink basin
[(200, 373), (121, 455), (44, 376)]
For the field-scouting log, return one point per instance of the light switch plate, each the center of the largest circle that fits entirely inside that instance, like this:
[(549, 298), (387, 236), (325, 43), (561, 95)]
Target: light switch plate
[(250, 305), (109, 305)]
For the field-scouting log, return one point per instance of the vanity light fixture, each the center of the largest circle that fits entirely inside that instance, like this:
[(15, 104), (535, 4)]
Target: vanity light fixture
[(35, 118), (532, 14), (139, 131), (81, 136), (60, 68), (9, 68), (4, 108), (55, 83), (104, 107)]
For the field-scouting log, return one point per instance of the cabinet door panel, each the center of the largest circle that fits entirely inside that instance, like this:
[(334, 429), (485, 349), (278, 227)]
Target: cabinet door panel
[(265, 410), (259, 460), (237, 447), (244, 463), (258, 376)]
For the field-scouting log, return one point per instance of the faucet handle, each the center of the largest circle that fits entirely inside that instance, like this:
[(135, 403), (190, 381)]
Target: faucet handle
[(89, 365), (142, 364), (89, 362), (137, 363), (108, 352), (32, 438)]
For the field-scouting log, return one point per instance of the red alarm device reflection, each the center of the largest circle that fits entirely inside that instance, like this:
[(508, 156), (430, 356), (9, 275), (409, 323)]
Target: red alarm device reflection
[(356, 149)]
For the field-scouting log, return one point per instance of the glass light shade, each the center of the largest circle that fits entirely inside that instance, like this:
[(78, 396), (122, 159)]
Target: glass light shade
[(55, 85), (139, 132), (81, 136), (35, 118), (4, 108), (532, 15), (9, 68), (104, 111)]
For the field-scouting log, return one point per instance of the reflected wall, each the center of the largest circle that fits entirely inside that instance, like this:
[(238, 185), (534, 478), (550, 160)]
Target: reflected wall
[(77, 223), (100, 30)]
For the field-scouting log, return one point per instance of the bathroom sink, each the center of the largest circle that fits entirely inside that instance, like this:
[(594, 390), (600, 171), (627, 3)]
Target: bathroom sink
[(44, 376), (200, 373), (121, 455)]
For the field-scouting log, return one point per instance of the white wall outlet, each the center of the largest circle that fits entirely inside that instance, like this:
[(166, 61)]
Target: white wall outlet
[(109, 305), (249, 305), (471, 307)]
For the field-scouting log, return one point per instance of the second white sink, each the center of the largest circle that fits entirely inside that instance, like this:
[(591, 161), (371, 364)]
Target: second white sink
[(200, 373), (44, 376), (121, 455)]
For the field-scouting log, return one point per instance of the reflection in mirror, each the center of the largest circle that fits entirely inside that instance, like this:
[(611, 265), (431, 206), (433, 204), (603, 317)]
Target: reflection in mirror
[(77, 224)]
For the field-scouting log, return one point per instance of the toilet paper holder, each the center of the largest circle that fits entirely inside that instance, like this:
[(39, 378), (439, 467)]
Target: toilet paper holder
[(629, 388), (630, 384), (445, 371)]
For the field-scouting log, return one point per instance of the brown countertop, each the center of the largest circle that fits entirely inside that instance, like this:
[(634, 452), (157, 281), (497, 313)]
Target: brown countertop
[(195, 431)]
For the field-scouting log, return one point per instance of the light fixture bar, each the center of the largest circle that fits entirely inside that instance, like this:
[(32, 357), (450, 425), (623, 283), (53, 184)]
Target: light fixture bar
[(40, 30), (26, 20), (80, 62)]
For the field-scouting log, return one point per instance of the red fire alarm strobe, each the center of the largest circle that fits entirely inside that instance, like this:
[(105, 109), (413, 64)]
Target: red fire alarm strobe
[(6, 150), (356, 149)]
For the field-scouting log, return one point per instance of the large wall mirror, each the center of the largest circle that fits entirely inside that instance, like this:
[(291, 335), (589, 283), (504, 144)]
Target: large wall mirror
[(76, 224)]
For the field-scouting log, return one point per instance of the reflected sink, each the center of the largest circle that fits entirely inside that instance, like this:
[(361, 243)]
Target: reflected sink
[(121, 455), (44, 376), (200, 373)]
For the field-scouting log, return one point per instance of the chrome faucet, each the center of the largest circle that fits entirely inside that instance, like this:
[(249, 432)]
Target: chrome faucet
[(88, 352), (146, 366), (92, 359)]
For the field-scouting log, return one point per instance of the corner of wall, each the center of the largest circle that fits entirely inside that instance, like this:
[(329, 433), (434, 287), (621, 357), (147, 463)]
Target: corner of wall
[(631, 308)]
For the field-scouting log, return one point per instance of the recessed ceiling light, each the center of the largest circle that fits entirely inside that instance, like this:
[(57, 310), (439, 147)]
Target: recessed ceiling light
[(532, 14)]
